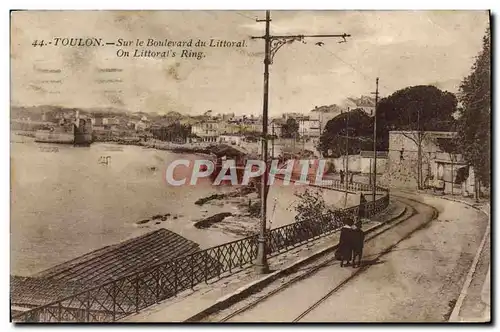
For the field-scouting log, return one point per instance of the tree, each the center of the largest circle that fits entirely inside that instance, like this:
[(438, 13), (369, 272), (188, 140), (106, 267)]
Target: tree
[(174, 132), (355, 126), (474, 121), (416, 108), (290, 129)]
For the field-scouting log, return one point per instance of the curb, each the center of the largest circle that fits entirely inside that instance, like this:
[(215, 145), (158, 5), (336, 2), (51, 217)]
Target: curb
[(250, 288), (454, 316)]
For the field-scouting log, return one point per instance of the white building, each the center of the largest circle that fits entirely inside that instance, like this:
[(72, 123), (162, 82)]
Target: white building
[(208, 130), (309, 128), (324, 114), (367, 104), (230, 139)]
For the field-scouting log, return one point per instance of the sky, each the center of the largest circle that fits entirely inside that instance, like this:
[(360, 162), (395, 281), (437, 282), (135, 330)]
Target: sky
[(402, 48)]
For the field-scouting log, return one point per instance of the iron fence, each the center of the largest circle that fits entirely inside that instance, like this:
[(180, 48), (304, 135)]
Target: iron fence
[(119, 298)]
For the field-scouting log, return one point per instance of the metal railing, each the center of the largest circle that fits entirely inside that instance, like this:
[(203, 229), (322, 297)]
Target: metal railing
[(119, 298)]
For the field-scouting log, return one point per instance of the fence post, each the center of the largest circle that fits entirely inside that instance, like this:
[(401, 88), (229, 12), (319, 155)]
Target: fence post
[(241, 258), (205, 260), (230, 252)]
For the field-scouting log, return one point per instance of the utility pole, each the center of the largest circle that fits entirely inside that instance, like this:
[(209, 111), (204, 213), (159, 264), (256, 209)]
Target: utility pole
[(346, 156), (304, 137), (272, 45), (273, 143), (370, 173), (452, 178), (419, 151), (261, 263), (374, 194)]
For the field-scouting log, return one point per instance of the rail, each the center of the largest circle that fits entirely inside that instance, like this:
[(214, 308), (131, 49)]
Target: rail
[(127, 295)]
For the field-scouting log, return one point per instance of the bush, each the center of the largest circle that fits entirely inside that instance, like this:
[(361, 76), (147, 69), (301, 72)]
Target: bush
[(312, 208)]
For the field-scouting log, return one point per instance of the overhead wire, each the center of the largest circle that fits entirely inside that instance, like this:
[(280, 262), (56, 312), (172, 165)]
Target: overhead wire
[(245, 16), (352, 66)]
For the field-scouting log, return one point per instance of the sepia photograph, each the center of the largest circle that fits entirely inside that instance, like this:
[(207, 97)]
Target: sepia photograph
[(250, 166)]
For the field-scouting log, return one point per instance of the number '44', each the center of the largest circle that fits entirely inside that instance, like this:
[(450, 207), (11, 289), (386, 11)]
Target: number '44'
[(39, 43)]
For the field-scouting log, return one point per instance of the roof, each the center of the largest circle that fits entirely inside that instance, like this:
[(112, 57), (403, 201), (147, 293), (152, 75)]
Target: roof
[(103, 265), (30, 291), (334, 108), (121, 259)]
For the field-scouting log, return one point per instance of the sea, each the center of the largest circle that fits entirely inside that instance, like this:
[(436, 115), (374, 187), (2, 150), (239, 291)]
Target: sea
[(67, 201)]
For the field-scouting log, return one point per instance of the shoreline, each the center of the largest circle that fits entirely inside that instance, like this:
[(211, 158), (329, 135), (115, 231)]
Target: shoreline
[(192, 148)]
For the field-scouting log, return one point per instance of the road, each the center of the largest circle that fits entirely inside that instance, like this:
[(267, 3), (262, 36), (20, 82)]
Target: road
[(415, 280)]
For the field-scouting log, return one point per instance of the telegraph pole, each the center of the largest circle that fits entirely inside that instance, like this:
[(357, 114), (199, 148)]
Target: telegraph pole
[(273, 143), (261, 263), (346, 156), (375, 146), (272, 45)]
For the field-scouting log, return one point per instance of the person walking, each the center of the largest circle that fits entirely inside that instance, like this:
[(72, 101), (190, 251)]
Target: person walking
[(345, 243), (341, 176), (358, 242)]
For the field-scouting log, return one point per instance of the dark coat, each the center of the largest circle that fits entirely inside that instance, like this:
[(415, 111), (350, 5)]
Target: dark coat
[(346, 238), (358, 240)]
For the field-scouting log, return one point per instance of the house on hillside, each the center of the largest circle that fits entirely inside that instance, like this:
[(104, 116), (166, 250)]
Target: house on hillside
[(276, 127), (207, 131), (323, 114), (309, 128), (367, 104)]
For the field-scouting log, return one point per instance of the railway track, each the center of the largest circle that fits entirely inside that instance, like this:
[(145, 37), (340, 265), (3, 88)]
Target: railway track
[(254, 300)]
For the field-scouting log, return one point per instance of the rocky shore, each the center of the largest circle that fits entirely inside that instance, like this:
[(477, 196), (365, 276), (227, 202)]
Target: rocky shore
[(243, 221), (203, 148)]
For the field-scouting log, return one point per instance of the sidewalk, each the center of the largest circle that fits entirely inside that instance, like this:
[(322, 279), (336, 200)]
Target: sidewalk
[(192, 302)]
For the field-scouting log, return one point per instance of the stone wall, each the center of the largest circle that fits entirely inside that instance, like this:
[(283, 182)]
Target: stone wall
[(402, 161)]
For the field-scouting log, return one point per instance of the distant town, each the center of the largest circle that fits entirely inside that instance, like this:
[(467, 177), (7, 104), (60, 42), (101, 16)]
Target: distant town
[(211, 126)]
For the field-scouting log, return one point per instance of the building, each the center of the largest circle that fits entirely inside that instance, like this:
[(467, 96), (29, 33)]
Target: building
[(286, 116), (367, 161), (231, 139), (323, 114), (276, 126), (367, 104), (309, 128), (207, 131), (440, 162)]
